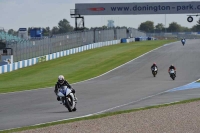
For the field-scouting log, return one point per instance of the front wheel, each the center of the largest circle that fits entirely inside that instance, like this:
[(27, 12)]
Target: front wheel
[(154, 73), (74, 109), (69, 103), (172, 76)]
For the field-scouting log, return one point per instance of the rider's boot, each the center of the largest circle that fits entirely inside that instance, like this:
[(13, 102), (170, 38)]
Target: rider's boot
[(58, 98)]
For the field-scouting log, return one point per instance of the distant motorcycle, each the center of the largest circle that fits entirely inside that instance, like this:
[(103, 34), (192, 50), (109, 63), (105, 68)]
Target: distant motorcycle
[(67, 98), (183, 42), (154, 71), (172, 74)]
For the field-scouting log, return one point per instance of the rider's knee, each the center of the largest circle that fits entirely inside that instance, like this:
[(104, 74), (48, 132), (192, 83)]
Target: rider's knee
[(73, 91)]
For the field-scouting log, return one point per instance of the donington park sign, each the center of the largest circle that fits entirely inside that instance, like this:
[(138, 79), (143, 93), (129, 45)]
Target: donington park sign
[(137, 8)]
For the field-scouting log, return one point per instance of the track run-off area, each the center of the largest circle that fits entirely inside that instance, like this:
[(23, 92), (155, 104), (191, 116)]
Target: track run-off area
[(129, 86)]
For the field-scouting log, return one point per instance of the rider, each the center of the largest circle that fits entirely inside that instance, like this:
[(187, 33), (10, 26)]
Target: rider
[(172, 67), (183, 40), (63, 82), (154, 65)]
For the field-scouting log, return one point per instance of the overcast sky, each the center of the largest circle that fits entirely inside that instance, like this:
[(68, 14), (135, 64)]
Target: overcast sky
[(15, 14)]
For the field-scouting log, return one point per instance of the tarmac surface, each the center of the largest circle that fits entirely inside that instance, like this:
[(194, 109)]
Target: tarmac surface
[(129, 86)]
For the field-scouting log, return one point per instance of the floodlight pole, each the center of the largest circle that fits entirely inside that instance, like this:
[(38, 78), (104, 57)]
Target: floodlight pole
[(165, 23)]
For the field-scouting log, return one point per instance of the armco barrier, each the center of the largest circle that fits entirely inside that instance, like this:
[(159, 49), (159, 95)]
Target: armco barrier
[(33, 61)]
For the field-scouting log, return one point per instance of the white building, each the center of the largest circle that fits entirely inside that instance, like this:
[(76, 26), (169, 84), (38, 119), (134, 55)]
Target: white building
[(23, 33)]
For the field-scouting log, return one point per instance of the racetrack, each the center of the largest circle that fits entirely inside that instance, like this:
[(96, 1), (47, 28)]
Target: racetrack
[(130, 83)]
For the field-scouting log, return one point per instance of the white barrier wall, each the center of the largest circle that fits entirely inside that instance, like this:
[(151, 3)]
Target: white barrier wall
[(33, 61), (130, 40)]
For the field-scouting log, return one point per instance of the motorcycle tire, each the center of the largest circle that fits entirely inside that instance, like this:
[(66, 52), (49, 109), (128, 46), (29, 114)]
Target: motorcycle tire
[(173, 77), (67, 104), (74, 109)]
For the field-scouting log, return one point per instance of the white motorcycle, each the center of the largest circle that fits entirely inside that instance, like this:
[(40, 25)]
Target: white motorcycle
[(67, 98), (154, 71), (172, 74)]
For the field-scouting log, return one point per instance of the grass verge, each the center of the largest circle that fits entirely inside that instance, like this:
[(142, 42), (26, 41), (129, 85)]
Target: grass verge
[(76, 67), (97, 116)]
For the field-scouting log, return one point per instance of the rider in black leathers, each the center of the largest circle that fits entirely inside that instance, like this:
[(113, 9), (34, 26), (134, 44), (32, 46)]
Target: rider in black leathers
[(183, 41), (154, 65), (63, 82), (172, 67)]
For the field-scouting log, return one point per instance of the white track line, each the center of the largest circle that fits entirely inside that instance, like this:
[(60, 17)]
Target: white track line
[(96, 76), (96, 112), (103, 111)]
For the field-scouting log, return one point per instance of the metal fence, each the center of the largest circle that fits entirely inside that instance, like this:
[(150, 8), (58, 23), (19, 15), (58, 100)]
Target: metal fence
[(27, 49)]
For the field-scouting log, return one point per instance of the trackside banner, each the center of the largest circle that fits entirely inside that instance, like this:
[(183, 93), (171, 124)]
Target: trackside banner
[(137, 8)]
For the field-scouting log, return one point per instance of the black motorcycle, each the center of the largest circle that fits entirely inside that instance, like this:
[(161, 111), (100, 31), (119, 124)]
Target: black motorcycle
[(172, 74), (154, 71)]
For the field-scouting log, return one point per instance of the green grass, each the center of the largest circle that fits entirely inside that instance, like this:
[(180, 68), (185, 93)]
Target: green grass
[(97, 116), (76, 67)]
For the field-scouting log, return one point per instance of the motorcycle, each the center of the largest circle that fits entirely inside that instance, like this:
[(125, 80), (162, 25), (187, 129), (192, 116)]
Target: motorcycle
[(183, 42), (154, 71), (172, 74), (67, 98)]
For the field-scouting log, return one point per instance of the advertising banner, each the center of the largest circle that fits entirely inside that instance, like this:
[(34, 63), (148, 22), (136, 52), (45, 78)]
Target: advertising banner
[(41, 59), (138, 8)]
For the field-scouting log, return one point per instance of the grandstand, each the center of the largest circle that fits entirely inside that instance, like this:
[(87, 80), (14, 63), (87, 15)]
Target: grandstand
[(5, 37)]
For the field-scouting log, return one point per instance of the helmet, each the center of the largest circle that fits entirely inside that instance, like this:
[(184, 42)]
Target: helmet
[(172, 65), (61, 79)]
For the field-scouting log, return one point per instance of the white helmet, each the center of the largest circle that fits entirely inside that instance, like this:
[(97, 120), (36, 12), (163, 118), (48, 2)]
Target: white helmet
[(61, 79)]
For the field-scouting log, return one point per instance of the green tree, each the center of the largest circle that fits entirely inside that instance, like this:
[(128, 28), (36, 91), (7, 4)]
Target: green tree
[(48, 29), (11, 31), (104, 27), (147, 26), (159, 27), (185, 29), (196, 28), (64, 26), (124, 27), (86, 28), (174, 27), (55, 30), (44, 31)]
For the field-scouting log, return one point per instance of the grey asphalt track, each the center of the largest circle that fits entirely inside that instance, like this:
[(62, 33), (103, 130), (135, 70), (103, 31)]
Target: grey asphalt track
[(129, 83)]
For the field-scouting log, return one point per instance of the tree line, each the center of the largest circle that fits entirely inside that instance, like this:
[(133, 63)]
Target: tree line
[(148, 26), (63, 27)]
